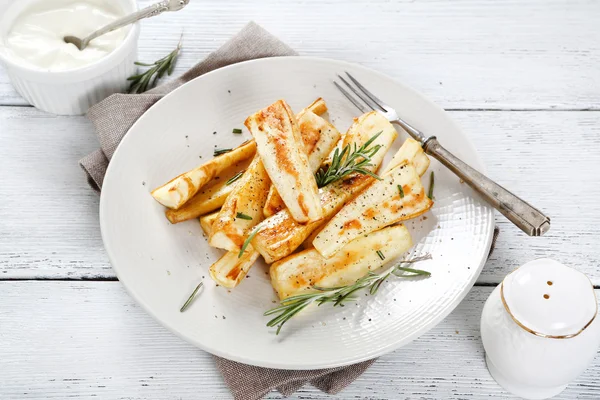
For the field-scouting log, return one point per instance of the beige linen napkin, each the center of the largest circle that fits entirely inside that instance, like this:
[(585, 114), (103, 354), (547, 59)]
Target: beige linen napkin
[(113, 117)]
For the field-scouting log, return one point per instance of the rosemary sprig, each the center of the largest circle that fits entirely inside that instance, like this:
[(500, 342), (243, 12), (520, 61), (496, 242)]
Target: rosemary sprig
[(338, 295), (147, 79), (234, 178), (431, 183), (350, 159), (191, 298)]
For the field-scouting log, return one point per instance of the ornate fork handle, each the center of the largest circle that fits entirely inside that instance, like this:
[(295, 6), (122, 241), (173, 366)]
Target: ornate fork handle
[(150, 11), (519, 212)]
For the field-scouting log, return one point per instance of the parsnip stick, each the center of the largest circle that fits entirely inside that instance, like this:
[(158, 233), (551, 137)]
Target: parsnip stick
[(211, 196), (230, 269), (319, 138), (398, 197), (318, 107), (179, 190), (302, 271), (243, 208), (206, 222), (410, 151), (282, 151)]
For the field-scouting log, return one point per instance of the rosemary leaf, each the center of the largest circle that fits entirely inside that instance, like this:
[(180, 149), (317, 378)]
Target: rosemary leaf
[(218, 152), (375, 286), (414, 271), (191, 298), (401, 191), (237, 131), (380, 254), (247, 241), (243, 216), (234, 178)]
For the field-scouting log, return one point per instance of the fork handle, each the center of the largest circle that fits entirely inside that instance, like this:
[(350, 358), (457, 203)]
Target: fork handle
[(528, 218)]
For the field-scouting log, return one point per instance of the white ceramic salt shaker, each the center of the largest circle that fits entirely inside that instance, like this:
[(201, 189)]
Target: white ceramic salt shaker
[(539, 328)]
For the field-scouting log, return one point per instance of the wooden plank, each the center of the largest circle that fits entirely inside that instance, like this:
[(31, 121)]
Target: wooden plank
[(462, 54), (49, 214), (53, 231), (88, 339), (527, 152)]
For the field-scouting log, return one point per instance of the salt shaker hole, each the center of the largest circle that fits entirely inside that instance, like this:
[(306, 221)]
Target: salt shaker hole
[(546, 296), (549, 283)]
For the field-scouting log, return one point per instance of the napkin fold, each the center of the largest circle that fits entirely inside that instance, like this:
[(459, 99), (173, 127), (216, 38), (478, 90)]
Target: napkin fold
[(113, 117)]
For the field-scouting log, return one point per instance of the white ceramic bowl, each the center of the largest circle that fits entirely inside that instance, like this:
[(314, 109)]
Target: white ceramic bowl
[(70, 92)]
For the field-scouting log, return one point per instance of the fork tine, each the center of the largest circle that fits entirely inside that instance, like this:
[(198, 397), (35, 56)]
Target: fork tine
[(349, 97), (380, 103), (369, 102)]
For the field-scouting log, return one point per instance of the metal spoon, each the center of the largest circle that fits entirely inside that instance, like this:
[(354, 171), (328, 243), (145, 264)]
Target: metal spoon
[(150, 11)]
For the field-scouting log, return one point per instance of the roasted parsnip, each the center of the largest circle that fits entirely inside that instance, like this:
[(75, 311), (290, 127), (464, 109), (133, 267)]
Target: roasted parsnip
[(230, 269), (302, 271), (411, 151), (318, 107), (210, 197), (206, 222), (319, 138), (243, 208), (398, 197), (179, 190), (281, 149), (279, 235)]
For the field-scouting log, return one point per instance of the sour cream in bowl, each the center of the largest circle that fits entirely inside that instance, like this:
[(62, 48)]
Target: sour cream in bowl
[(54, 75)]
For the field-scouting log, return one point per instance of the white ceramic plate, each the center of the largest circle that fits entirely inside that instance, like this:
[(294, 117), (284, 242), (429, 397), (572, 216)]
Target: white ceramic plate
[(160, 264)]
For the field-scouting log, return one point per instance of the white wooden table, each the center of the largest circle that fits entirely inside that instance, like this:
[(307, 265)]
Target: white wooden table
[(521, 77)]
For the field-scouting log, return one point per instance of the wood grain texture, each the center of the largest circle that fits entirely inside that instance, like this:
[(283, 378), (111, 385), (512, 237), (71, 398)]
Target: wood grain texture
[(89, 339), (533, 54), (49, 213), (549, 158)]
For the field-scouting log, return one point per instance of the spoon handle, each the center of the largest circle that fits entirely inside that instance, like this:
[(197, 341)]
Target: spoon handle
[(150, 11)]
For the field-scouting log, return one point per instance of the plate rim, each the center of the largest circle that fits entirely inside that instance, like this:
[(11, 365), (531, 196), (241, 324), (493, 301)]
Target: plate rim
[(343, 361)]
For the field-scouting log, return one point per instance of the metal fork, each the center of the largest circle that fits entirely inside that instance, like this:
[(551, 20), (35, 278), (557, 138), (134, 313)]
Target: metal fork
[(528, 218)]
